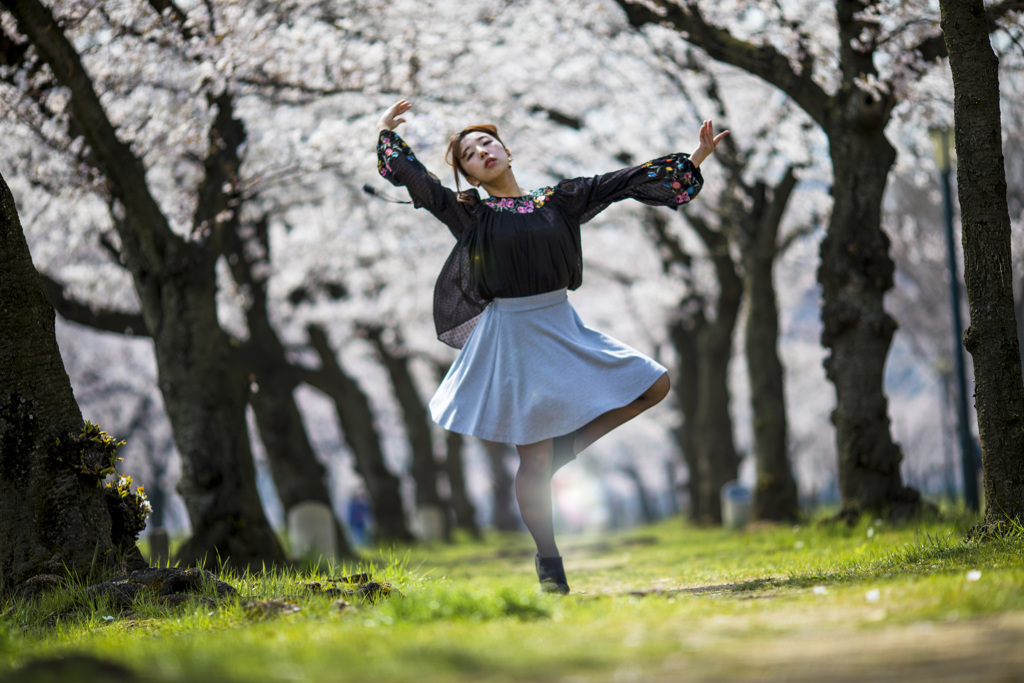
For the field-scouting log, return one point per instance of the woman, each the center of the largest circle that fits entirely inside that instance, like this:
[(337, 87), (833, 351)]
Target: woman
[(530, 373)]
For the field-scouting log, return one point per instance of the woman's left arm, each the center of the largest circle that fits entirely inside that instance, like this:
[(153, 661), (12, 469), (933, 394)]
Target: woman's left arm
[(670, 181)]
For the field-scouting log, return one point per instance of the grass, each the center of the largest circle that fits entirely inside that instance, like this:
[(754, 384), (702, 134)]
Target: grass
[(666, 602)]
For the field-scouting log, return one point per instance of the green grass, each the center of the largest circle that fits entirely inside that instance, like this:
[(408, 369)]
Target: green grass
[(666, 602)]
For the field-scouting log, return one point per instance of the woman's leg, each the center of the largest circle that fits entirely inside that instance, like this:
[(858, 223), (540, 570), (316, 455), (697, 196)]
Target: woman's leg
[(533, 492), (536, 465), (602, 424)]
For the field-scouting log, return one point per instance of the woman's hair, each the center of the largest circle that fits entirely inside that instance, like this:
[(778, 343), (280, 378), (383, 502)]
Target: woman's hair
[(455, 142)]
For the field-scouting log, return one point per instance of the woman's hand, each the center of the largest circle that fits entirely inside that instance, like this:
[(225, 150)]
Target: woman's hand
[(392, 117), (708, 142)]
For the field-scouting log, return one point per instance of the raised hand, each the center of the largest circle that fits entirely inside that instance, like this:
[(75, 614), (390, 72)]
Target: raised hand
[(392, 117), (708, 142)]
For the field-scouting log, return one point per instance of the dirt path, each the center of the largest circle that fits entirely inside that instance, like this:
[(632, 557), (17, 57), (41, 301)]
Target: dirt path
[(989, 650)]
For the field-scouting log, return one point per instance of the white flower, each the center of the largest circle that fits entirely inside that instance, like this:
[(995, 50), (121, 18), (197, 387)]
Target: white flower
[(973, 575), (873, 595), (820, 590)]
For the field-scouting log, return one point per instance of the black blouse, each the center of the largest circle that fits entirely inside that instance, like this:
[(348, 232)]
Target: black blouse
[(521, 246)]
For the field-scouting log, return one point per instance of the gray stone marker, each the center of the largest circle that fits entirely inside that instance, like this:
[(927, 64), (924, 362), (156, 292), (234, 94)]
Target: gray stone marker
[(311, 530)]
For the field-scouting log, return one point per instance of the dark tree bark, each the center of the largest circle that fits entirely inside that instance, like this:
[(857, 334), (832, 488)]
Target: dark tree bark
[(54, 514), (424, 467), (117, 322), (749, 217), (462, 507), (506, 517), (775, 493), (715, 461), (855, 271), (991, 337), (1018, 309), (357, 425), (454, 468), (719, 461), (683, 332), (204, 393), (298, 476)]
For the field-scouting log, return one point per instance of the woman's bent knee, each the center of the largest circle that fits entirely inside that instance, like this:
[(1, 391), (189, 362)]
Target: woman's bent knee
[(657, 391)]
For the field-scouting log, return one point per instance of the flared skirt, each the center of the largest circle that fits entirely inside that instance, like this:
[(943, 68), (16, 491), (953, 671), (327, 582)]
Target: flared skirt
[(531, 370)]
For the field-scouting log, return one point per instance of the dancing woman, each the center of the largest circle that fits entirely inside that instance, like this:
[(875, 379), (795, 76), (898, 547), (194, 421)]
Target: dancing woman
[(530, 373)]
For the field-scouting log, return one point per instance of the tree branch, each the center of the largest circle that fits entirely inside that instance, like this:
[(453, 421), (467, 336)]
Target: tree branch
[(121, 166), (670, 248), (763, 61), (72, 310), (167, 8), (218, 205), (780, 198), (933, 48)]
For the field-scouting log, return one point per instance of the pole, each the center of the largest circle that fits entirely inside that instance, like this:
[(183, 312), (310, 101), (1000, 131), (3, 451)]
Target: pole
[(963, 426)]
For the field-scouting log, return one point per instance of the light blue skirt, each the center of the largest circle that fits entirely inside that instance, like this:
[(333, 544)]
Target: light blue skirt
[(531, 370)]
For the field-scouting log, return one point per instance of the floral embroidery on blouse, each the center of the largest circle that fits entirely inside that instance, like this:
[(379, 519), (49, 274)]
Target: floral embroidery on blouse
[(675, 172), (525, 204), (390, 146)]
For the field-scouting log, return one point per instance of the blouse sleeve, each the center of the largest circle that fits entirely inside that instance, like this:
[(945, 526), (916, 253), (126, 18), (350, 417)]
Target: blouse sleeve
[(670, 181), (398, 164)]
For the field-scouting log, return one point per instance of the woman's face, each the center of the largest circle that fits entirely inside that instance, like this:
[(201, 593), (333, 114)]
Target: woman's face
[(483, 157)]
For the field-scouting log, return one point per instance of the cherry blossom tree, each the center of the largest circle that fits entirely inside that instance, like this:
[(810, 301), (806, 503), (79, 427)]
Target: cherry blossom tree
[(576, 89), (174, 275), (743, 237), (847, 64)]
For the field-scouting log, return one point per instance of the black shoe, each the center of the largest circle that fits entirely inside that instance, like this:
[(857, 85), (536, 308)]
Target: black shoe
[(551, 575)]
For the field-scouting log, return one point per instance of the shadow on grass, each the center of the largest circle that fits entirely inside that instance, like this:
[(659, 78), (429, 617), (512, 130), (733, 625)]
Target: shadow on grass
[(933, 555)]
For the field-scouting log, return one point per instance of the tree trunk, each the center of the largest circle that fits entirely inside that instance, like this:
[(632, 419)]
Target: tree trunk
[(356, 419), (855, 270), (855, 273), (718, 460), (991, 337), (424, 467), (54, 518), (775, 494), (713, 460), (203, 392), (1018, 309), (502, 484), (686, 387), (462, 506), (298, 476)]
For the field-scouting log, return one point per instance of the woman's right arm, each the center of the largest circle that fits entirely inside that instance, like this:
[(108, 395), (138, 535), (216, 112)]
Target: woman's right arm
[(398, 165)]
